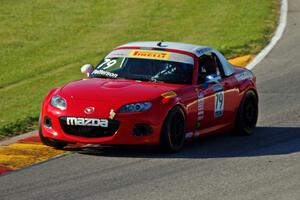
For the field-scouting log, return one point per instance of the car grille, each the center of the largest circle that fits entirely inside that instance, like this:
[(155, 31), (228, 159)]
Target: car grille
[(89, 131)]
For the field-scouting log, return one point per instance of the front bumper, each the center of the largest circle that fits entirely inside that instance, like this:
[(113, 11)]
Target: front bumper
[(125, 133)]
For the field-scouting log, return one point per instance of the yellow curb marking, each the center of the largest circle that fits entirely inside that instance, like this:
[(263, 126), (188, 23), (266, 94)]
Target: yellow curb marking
[(20, 155), (241, 61)]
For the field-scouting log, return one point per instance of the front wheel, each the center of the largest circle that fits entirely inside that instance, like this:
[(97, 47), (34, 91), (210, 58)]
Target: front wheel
[(172, 135), (247, 114)]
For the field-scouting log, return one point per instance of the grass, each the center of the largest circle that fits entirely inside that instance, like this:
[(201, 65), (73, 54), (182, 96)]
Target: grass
[(43, 43)]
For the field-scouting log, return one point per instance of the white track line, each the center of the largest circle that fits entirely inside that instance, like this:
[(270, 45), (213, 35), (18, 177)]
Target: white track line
[(278, 34)]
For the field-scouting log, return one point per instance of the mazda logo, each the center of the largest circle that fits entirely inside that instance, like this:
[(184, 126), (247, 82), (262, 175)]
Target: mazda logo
[(89, 110)]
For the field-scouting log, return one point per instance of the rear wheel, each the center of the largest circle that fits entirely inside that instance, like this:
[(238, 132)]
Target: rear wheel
[(172, 136), (247, 114), (49, 141)]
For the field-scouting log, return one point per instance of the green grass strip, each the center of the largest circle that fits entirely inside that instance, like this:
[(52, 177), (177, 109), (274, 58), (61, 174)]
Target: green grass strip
[(44, 42)]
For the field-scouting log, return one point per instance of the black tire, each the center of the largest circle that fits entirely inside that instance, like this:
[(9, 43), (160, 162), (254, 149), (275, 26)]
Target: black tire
[(49, 141), (172, 135), (247, 114)]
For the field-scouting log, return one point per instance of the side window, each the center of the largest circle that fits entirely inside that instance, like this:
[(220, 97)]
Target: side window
[(209, 64), (219, 65)]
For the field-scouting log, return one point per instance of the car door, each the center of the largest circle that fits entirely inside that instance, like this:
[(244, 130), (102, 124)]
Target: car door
[(205, 116), (206, 96), (226, 98), (216, 100), (225, 102)]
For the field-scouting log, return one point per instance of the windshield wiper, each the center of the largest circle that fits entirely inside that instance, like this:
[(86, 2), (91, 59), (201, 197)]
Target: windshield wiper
[(157, 80)]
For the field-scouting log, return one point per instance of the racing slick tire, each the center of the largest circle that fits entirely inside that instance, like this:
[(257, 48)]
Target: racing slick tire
[(48, 141), (172, 135), (247, 114)]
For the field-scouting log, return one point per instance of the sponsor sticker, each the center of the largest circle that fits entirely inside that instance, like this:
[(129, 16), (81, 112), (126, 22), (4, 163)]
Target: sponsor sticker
[(197, 134), (150, 54), (169, 94), (112, 114), (218, 88), (188, 135), (202, 50), (200, 107), (74, 121), (243, 76)]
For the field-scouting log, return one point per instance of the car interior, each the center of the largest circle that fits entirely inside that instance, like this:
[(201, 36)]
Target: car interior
[(209, 64)]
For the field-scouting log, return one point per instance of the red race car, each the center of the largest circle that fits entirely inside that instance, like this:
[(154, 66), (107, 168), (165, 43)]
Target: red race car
[(151, 93)]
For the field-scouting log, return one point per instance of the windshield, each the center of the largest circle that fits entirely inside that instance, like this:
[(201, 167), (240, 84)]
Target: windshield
[(144, 70)]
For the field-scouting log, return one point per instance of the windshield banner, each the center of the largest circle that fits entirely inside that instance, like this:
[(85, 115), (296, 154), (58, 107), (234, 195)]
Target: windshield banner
[(151, 54)]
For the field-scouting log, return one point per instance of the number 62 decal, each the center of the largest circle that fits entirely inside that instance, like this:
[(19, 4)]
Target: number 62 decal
[(219, 104)]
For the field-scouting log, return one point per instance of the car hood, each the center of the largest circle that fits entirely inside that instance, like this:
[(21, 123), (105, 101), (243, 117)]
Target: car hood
[(98, 89)]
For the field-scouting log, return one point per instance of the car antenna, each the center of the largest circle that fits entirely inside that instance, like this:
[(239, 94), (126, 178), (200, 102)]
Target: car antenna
[(160, 43)]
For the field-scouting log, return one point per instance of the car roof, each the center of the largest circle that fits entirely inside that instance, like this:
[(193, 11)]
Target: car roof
[(197, 50), (167, 45)]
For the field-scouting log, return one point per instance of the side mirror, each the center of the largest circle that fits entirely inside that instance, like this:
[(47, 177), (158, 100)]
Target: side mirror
[(212, 78), (87, 69)]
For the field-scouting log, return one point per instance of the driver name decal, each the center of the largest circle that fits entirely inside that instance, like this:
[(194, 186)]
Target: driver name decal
[(150, 54), (105, 73)]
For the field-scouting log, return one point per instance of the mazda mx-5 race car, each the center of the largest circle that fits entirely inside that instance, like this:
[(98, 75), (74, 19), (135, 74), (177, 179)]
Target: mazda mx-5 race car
[(152, 93)]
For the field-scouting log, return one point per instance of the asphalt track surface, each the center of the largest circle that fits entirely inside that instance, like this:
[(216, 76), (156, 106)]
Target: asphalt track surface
[(263, 166)]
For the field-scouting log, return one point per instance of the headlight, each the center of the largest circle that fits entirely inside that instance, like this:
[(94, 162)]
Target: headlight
[(135, 107), (59, 102)]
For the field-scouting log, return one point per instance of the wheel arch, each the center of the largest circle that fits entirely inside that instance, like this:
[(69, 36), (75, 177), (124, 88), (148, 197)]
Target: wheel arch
[(243, 93), (165, 137), (252, 89), (181, 107), (236, 119)]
